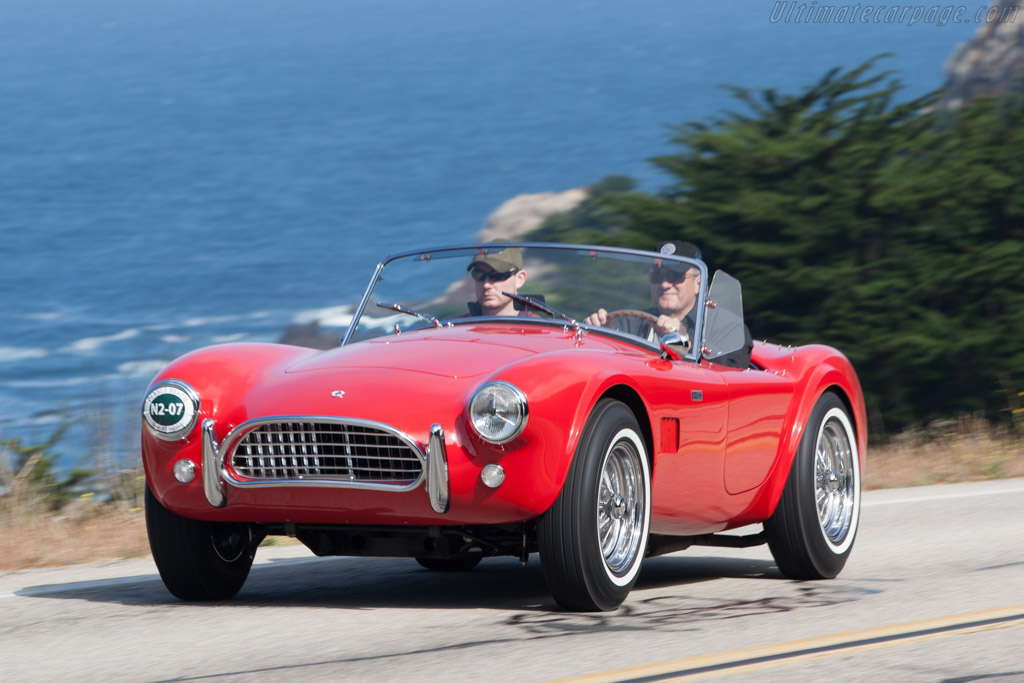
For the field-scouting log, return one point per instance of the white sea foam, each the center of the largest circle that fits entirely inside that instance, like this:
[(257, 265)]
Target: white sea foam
[(60, 383), (174, 339), (227, 338), (334, 316), (203, 322), (11, 354), (92, 344), (217, 320), (387, 323), (141, 368)]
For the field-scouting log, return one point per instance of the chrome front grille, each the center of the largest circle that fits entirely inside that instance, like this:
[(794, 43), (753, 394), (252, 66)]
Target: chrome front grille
[(336, 451)]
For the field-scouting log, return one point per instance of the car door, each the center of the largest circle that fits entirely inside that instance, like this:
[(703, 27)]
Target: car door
[(758, 401), (690, 423)]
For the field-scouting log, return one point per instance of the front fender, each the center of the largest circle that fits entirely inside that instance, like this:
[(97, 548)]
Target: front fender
[(221, 375), (560, 402), (818, 369)]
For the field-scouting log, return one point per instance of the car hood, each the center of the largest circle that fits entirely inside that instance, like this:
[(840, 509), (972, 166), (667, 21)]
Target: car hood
[(457, 352), (409, 381)]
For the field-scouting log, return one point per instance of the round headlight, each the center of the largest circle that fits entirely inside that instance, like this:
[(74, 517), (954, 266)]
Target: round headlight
[(498, 412), (171, 409)]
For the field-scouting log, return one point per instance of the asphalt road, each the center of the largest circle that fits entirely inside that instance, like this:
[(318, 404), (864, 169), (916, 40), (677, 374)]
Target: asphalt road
[(934, 591)]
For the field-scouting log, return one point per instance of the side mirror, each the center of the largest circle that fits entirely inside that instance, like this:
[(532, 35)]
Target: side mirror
[(674, 346)]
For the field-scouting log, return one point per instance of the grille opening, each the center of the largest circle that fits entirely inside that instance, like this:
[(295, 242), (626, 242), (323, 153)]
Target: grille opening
[(334, 451)]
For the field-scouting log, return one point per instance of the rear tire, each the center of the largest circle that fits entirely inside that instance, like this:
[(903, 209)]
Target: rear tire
[(448, 564), (593, 539), (813, 528), (199, 561)]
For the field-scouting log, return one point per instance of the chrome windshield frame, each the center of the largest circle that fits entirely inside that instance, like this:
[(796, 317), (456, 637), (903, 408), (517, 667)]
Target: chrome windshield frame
[(693, 355)]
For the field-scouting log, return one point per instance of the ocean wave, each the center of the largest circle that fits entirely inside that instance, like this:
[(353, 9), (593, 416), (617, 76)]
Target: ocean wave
[(92, 344), (130, 370), (227, 338), (218, 320), (141, 368), (60, 383), (50, 315), (10, 354), (333, 316)]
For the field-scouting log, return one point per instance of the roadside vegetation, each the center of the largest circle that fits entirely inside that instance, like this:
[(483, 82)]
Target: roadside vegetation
[(50, 518), (890, 229)]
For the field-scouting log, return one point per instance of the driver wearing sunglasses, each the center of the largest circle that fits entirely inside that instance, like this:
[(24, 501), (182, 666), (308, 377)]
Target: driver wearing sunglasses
[(493, 273), (674, 292)]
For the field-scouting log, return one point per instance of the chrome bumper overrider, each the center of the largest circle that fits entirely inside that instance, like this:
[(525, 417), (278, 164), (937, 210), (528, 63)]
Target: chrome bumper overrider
[(211, 466), (437, 470), (216, 473)]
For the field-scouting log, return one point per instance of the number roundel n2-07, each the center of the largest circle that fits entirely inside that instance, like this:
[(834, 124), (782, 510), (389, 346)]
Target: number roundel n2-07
[(170, 409)]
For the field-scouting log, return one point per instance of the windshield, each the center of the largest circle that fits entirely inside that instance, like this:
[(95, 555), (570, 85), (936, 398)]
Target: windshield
[(554, 284)]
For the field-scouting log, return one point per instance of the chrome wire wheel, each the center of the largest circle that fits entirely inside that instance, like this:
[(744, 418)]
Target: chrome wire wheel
[(593, 539), (621, 502), (812, 530), (835, 486)]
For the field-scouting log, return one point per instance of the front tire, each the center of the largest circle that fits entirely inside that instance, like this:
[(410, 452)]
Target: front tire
[(812, 530), (198, 561), (593, 539)]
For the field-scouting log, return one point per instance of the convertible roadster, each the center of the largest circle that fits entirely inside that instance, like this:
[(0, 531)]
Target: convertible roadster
[(448, 429)]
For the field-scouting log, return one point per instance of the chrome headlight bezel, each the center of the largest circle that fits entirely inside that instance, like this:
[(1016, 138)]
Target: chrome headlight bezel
[(160, 424), (492, 399)]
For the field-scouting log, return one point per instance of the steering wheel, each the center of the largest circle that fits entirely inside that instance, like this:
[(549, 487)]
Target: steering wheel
[(629, 313), (652, 320)]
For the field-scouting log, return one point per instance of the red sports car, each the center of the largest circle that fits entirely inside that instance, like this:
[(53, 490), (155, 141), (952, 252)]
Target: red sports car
[(479, 406)]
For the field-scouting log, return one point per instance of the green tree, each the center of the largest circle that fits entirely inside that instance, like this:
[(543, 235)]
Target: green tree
[(885, 227)]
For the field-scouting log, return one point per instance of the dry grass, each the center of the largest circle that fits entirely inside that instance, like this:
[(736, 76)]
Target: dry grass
[(969, 449), (82, 532), (90, 531)]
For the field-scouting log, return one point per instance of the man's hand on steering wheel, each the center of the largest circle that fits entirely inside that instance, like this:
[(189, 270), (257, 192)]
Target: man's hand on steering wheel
[(665, 324), (600, 318), (607, 319)]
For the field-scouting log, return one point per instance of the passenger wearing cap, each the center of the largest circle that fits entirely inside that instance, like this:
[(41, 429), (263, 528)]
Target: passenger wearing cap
[(674, 291), (494, 273)]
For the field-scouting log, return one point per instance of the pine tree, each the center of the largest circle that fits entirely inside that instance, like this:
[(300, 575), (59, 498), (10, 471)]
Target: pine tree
[(887, 228)]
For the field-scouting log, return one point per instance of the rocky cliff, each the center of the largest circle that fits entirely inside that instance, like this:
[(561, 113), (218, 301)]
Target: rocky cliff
[(992, 62), (526, 212)]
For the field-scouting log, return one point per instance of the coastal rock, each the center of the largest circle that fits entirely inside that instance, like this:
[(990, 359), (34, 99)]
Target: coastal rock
[(526, 212), (992, 62)]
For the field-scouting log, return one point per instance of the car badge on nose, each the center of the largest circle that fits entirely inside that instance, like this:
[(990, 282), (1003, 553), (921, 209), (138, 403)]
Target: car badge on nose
[(338, 394)]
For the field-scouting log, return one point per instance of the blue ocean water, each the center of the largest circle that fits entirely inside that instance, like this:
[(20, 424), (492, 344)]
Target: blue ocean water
[(177, 173)]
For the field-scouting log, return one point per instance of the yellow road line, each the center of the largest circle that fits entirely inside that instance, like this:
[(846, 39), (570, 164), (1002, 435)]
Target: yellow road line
[(764, 656)]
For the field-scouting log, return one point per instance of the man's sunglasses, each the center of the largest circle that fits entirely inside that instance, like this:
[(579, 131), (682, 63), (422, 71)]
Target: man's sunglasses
[(481, 275), (659, 275)]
